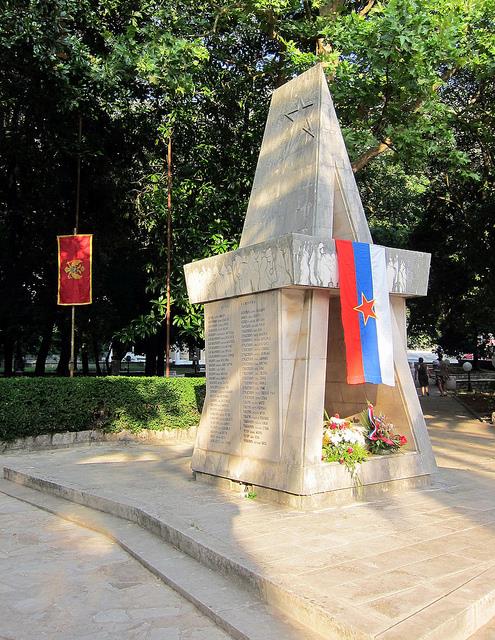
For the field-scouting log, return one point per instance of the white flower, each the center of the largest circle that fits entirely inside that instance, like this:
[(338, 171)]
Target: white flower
[(352, 436)]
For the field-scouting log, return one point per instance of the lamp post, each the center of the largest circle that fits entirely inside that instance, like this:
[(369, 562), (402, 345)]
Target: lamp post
[(467, 366)]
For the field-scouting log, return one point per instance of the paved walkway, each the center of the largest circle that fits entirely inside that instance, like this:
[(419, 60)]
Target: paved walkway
[(392, 568), (459, 440), (62, 582)]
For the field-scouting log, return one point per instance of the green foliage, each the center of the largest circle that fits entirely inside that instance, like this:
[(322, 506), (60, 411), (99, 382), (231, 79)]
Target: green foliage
[(393, 199), (33, 406), (349, 455), (412, 82)]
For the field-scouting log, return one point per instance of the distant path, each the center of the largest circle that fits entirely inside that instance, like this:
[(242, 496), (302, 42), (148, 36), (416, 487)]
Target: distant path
[(459, 440), (462, 442)]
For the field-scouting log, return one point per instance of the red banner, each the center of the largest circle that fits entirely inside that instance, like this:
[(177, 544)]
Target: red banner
[(75, 269)]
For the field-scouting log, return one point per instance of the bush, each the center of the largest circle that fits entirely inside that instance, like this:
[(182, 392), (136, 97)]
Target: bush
[(33, 406)]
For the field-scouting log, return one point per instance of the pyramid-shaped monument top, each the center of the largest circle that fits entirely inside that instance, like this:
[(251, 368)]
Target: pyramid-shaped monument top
[(304, 196), (304, 181)]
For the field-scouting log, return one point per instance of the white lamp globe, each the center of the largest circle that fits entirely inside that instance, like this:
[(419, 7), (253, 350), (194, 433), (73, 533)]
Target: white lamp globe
[(467, 366)]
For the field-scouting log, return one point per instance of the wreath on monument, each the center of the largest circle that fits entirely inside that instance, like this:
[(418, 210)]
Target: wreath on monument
[(350, 441), (343, 441)]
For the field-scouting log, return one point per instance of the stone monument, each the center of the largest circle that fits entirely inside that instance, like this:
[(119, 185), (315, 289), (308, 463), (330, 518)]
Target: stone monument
[(275, 357)]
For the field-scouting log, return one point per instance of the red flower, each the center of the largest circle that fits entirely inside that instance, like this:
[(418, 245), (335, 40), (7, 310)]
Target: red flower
[(341, 460), (333, 427), (336, 415), (350, 449), (403, 440)]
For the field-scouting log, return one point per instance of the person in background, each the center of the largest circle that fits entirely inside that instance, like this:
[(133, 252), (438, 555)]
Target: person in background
[(434, 367), (443, 374), (422, 375)]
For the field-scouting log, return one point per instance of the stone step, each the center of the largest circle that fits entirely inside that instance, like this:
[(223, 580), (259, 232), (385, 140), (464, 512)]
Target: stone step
[(317, 621), (465, 605), (486, 632), (238, 612)]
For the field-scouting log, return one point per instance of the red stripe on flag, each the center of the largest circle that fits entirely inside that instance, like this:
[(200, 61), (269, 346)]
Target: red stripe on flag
[(350, 318)]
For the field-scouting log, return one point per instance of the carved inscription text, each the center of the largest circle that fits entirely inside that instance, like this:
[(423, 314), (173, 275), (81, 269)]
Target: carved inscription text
[(255, 358), (221, 369)]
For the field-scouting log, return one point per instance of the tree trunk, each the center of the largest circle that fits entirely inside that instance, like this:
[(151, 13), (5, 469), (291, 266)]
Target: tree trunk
[(96, 354), (46, 341), (117, 355), (476, 350), (84, 359), (476, 359), (160, 353), (19, 358), (150, 351), (107, 360), (63, 363), (8, 346), (368, 155)]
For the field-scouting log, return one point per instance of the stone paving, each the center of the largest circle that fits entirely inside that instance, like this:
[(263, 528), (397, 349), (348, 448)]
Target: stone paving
[(63, 582), (485, 633), (393, 568)]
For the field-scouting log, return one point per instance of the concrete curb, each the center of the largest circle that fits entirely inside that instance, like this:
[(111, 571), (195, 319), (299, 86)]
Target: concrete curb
[(200, 547), (96, 436)]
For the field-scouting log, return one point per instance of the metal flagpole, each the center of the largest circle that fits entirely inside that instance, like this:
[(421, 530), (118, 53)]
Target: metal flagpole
[(169, 252), (76, 226)]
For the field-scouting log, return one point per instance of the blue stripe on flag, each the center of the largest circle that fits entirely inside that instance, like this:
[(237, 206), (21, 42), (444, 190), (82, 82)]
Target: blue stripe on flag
[(369, 341)]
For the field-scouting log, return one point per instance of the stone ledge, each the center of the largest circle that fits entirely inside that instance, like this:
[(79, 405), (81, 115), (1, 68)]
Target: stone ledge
[(294, 260), (317, 500), (95, 436), (316, 482)]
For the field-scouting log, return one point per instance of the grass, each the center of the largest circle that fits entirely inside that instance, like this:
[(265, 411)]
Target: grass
[(481, 402)]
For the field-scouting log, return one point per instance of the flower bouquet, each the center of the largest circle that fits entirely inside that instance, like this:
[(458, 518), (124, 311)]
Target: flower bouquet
[(351, 441), (380, 434), (343, 442)]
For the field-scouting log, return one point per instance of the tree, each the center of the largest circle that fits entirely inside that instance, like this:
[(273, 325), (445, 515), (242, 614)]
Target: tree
[(412, 85), (60, 60)]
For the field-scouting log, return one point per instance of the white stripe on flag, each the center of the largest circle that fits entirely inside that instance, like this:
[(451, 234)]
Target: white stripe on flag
[(382, 310)]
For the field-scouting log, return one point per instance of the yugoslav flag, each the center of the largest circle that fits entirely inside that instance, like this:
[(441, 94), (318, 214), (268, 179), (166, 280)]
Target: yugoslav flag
[(365, 305)]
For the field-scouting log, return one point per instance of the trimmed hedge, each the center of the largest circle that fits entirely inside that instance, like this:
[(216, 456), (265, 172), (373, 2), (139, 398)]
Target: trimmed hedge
[(34, 406)]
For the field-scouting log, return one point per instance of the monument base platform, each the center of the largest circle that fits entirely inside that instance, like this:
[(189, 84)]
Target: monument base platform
[(410, 565), (313, 485), (316, 500)]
